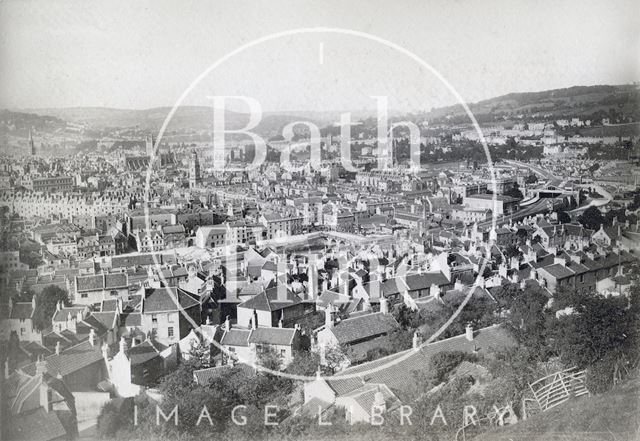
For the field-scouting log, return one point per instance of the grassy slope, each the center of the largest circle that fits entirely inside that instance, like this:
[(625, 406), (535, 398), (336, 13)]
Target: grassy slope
[(612, 416)]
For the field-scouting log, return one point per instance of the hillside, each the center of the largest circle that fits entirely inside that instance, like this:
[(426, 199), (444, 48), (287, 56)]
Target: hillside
[(587, 101), (619, 103), (612, 416)]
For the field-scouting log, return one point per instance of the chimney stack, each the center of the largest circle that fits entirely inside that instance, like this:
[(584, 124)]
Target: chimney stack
[(92, 337), (379, 402), (468, 331), (58, 348), (384, 305), (328, 316), (417, 341), (227, 324)]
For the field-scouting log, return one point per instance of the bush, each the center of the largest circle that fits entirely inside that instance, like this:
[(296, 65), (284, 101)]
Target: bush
[(599, 376)]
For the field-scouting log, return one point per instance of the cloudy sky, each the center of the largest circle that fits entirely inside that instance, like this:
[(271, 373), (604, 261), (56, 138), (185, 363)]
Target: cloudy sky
[(144, 54)]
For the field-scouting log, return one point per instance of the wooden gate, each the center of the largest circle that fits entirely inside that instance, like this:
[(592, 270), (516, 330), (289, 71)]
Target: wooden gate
[(557, 388)]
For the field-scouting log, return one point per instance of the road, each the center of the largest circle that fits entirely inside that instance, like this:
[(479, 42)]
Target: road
[(539, 207), (534, 168)]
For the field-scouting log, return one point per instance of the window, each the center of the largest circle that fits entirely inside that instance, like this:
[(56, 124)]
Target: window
[(84, 295), (283, 352), (154, 318), (114, 293), (170, 318), (170, 331), (23, 331), (581, 278)]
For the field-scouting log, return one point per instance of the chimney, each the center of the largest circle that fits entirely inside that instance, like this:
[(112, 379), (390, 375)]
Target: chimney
[(58, 348), (134, 342), (41, 366), (123, 345), (379, 402), (328, 316), (227, 324), (434, 291), (45, 397), (92, 337), (468, 332), (105, 351), (59, 305), (384, 305), (523, 284), (416, 340), (6, 368)]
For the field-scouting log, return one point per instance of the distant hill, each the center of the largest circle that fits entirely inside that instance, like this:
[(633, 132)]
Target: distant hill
[(186, 118), (586, 101), (619, 103)]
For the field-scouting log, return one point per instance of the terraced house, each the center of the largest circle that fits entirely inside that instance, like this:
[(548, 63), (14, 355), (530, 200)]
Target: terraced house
[(93, 289)]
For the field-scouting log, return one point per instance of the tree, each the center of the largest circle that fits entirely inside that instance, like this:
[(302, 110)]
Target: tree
[(597, 326), (304, 363), (46, 302), (442, 363), (531, 179), (200, 355), (591, 218), (514, 192)]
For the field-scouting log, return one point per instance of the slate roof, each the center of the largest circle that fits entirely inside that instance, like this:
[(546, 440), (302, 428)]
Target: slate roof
[(362, 327), (132, 319), (398, 376), (21, 310), (425, 280), (142, 353), (70, 360), (167, 299), (61, 316), (272, 336), (101, 281), (268, 301), (204, 376), (236, 337), (36, 425)]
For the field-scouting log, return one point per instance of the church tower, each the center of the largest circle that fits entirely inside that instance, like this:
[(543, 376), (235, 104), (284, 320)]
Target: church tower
[(32, 144), (194, 170), (148, 140)]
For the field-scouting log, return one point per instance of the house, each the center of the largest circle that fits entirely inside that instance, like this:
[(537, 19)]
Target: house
[(81, 366), (168, 313), (389, 382), (39, 406), (360, 333), (93, 289), (272, 306), (20, 320), (135, 366), (247, 345)]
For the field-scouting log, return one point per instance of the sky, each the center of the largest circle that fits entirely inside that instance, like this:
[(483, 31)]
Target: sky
[(143, 54)]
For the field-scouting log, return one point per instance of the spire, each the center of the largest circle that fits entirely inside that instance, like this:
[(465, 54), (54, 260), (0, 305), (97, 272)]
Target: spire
[(32, 145)]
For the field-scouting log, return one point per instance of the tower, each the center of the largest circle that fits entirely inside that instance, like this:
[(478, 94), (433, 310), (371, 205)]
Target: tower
[(32, 144), (148, 140), (194, 170)]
